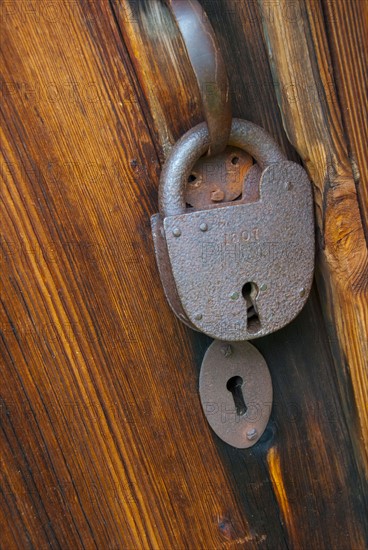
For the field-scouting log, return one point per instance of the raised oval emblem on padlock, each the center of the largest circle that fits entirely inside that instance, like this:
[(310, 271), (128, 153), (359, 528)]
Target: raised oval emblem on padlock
[(237, 270)]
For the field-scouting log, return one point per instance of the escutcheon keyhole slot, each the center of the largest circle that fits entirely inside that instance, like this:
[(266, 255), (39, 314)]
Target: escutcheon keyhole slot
[(234, 386)]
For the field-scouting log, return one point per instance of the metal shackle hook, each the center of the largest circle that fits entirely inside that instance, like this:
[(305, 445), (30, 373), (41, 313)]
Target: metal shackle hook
[(244, 134), (209, 68)]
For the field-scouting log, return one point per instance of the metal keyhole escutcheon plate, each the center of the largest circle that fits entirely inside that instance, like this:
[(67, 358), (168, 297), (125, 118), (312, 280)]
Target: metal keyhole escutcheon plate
[(236, 392)]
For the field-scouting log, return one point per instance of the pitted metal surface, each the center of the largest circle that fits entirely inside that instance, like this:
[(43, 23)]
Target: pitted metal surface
[(236, 392), (218, 179), (245, 270), (245, 135), (250, 193), (164, 267)]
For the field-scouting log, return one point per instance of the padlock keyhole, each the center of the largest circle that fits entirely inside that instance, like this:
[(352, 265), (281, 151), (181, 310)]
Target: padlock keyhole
[(234, 385), (250, 293)]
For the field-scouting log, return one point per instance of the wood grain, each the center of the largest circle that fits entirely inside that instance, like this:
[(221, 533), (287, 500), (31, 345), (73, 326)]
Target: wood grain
[(323, 145), (104, 444), (347, 34)]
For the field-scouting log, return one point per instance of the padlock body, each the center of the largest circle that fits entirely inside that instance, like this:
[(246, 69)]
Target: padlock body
[(226, 259), (164, 267)]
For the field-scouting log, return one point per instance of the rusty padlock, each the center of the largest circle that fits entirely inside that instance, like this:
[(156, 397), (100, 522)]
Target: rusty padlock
[(236, 271)]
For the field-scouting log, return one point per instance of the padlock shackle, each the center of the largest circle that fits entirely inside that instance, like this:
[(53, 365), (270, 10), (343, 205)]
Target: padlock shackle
[(209, 67), (244, 134)]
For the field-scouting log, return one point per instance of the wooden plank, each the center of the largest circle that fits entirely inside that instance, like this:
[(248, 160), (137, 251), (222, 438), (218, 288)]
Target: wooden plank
[(347, 34), (96, 451), (105, 444), (300, 54)]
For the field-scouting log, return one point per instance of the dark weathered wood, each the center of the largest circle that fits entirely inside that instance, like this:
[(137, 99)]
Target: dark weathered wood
[(320, 139), (103, 440)]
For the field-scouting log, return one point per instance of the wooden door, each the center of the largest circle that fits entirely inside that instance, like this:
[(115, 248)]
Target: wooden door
[(103, 440)]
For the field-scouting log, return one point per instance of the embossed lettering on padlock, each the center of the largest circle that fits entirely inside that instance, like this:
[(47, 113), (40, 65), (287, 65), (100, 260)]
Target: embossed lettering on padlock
[(236, 271)]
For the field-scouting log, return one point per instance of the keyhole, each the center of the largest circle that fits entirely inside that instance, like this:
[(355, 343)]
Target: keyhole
[(250, 293), (234, 385)]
